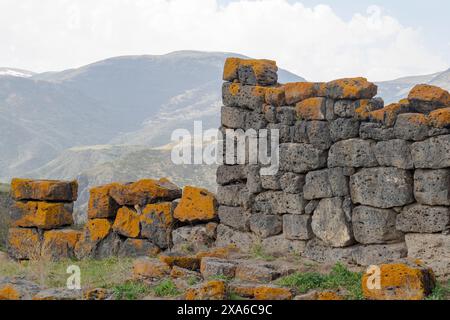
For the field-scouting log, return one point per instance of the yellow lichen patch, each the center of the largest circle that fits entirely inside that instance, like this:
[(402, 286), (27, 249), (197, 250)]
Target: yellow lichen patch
[(329, 295), (388, 115), (398, 282), (364, 107), (182, 261), (44, 190), (246, 290), (197, 204), (275, 96), (25, 212), (49, 215), (24, 243), (211, 290), (418, 119), (9, 292), (272, 293), (218, 252), (127, 223), (230, 69), (101, 204), (234, 89), (150, 268), (311, 109), (431, 94), (440, 118), (158, 212), (95, 294), (98, 229), (298, 91), (351, 88), (60, 243)]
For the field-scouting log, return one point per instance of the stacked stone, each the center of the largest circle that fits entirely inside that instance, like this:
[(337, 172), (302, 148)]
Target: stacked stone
[(41, 217), (144, 218), (354, 176)]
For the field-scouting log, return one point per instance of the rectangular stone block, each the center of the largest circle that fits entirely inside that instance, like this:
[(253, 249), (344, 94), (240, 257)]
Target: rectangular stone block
[(234, 217), (234, 118), (297, 227), (24, 243), (394, 153), (423, 219), (278, 202), (292, 183), (44, 190), (230, 195), (42, 215), (326, 183), (379, 253), (237, 95), (226, 236), (433, 153), (355, 153), (101, 204), (343, 129), (432, 187), (319, 134), (227, 174), (266, 225), (375, 131), (301, 158), (312, 109)]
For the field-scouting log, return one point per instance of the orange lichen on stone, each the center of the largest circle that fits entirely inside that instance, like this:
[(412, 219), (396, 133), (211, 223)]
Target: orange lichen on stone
[(298, 91), (269, 292), (329, 295), (95, 294), (9, 292), (197, 204), (218, 252), (440, 118), (312, 109), (431, 94), (60, 243), (230, 69), (388, 115), (127, 223), (235, 89), (275, 96), (351, 88), (178, 272), (210, 290), (24, 243), (398, 282), (161, 213), (364, 107), (417, 119), (44, 215), (183, 261), (101, 204), (150, 268), (98, 229), (144, 192), (44, 190), (246, 290)]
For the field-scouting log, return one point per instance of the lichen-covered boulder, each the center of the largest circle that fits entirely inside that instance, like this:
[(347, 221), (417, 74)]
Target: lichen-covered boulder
[(197, 204), (251, 71), (299, 91), (60, 244), (156, 223), (209, 290), (271, 292), (351, 88), (17, 289), (24, 243), (440, 118), (419, 218), (127, 223), (44, 190), (101, 204), (426, 98), (42, 215), (146, 267), (388, 115), (311, 109), (238, 95), (276, 96), (411, 126), (181, 260)]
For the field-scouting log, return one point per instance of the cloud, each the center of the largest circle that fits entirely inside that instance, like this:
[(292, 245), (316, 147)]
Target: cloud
[(312, 42)]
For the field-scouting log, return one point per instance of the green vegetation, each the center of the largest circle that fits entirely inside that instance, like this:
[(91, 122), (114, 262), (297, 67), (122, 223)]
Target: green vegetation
[(339, 278), (220, 277), (258, 252), (166, 288), (440, 292), (130, 290), (234, 296)]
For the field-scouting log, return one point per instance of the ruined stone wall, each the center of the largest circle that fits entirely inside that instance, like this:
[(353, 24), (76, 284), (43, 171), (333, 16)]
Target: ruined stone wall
[(358, 181)]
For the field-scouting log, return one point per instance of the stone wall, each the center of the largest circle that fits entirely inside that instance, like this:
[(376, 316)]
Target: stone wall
[(358, 181)]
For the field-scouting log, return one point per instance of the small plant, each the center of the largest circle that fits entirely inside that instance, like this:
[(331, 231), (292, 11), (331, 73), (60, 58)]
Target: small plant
[(192, 280), (220, 277), (259, 253), (234, 296), (130, 290), (440, 292), (166, 288)]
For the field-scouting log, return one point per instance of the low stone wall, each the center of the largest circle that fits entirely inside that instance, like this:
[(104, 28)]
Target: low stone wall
[(358, 181)]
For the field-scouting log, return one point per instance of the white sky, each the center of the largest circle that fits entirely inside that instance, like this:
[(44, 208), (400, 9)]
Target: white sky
[(311, 40)]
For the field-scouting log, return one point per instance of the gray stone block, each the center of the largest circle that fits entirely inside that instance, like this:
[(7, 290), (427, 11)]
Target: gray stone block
[(299, 132), (278, 202), (246, 96), (326, 183), (407, 128), (423, 219), (286, 115), (375, 131), (227, 174), (344, 128), (352, 153), (318, 251), (432, 187), (319, 134), (234, 118), (244, 241), (234, 217), (297, 227), (280, 246), (433, 153), (292, 183), (266, 225), (230, 195), (379, 253), (301, 158), (394, 153)]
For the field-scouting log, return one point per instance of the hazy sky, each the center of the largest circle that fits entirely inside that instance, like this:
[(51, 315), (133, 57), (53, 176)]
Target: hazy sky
[(320, 40)]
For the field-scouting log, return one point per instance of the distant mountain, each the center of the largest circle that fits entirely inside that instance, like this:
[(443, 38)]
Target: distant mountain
[(12, 72)]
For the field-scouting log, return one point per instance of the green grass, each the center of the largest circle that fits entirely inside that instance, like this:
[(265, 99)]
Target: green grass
[(234, 296), (440, 292), (4, 187), (339, 278), (166, 288), (258, 252), (130, 290), (193, 280)]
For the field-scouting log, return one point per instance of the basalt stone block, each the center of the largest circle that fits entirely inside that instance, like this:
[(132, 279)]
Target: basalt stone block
[(319, 134), (255, 120), (244, 241), (266, 225), (272, 182), (433, 153), (379, 253), (375, 226), (311, 206), (426, 98), (297, 227), (394, 153), (24, 243), (278, 202), (101, 204), (234, 118), (213, 267), (299, 134), (270, 113), (299, 91), (432, 187), (227, 174), (234, 217), (319, 251), (238, 95), (344, 128), (156, 223), (254, 184), (276, 96), (440, 119), (257, 72), (411, 126), (292, 183), (279, 245), (230, 195), (365, 106), (351, 88), (285, 132), (60, 244), (326, 183), (331, 222), (311, 109), (423, 219), (196, 204), (382, 187), (345, 108), (286, 115), (375, 131), (301, 158), (127, 223), (138, 248), (43, 215), (194, 238), (44, 190), (352, 153)]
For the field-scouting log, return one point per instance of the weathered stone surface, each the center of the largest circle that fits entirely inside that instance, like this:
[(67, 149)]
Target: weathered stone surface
[(331, 222), (286, 115), (319, 134), (213, 267), (432, 249), (279, 245), (352, 153), (138, 248), (278, 202), (365, 106), (178, 272), (98, 229), (146, 267), (426, 98), (394, 153), (237, 95), (257, 72), (101, 204), (423, 219), (319, 251), (343, 129), (272, 182), (101, 248), (43, 215), (230, 174), (292, 183), (24, 244), (230, 69), (299, 134), (375, 131), (197, 204), (97, 294), (156, 221), (265, 225), (269, 111), (244, 241), (439, 118), (375, 226), (311, 206), (311, 109), (230, 195), (256, 272), (44, 190), (299, 91), (351, 88), (345, 108), (60, 244), (127, 223), (326, 183), (411, 126), (234, 217), (301, 158), (270, 292), (17, 289), (181, 260), (58, 294), (210, 290), (399, 282), (233, 117), (255, 120), (193, 238), (144, 192), (379, 253), (433, 153), (388, 115), (297, 227), (432, 187), (254, 184), (382, 187), (275, 96), (285, 132)]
